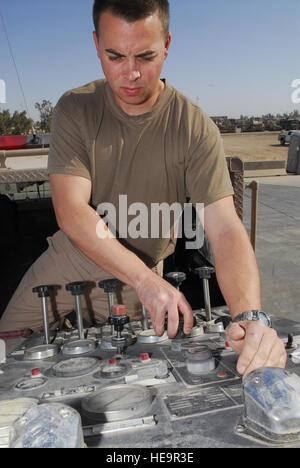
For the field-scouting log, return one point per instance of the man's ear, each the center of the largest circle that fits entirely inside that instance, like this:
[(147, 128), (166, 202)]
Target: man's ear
[(168, 42), (96, 41)]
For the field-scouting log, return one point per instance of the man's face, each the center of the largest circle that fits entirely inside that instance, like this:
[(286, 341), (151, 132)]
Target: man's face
[(132, 57)]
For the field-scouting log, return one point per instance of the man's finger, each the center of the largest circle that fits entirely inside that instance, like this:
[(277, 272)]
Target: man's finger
[(158, 321), (278, 356), (268, 352), (254, 335), (235, 332), (187, 313), (173, 320)]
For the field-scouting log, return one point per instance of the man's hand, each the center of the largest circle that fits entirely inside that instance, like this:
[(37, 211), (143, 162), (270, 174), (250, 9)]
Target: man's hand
[(257, 345), (159, 297)]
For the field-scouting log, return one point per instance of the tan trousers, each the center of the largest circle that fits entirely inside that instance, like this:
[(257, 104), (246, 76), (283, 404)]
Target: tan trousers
[(63, 263)]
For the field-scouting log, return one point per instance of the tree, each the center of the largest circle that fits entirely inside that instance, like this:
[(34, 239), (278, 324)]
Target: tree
[(16, 124), (46, 112), (295, 114)]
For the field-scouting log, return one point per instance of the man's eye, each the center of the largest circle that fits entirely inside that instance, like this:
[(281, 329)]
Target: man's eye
[(148, 59), (114, 58)]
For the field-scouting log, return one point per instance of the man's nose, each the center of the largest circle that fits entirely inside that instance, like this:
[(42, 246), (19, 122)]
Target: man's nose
[(132, 71), (134, 75)]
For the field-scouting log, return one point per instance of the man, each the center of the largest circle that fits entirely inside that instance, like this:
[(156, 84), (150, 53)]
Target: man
[(134, 134)]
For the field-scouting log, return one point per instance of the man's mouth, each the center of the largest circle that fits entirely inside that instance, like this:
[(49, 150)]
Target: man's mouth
[(131, 91)]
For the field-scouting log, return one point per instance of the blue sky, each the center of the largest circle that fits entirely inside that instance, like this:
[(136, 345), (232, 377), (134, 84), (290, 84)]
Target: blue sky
[(231, 56)]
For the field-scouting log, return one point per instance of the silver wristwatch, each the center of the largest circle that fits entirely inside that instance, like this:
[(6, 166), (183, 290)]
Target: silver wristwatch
[(253, 316)]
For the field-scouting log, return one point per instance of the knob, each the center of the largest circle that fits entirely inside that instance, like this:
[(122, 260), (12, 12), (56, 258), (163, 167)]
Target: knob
[(180, 332), (200, 360), (43, 291), (118, 318), (176, 278), (109, 285), (205, 272), (77, 288)]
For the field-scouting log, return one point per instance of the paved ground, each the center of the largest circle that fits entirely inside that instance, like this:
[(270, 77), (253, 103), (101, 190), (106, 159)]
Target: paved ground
[(278, 243)]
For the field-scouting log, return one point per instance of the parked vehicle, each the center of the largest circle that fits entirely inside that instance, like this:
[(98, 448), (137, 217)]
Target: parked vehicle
[(286, 137), (18, 142)]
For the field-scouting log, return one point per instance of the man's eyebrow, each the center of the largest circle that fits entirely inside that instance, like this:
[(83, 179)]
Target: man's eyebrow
[(148, 53), (114, 52)]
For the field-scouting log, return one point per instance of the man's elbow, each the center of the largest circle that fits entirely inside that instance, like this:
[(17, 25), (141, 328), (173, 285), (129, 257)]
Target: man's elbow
[(63, 216)]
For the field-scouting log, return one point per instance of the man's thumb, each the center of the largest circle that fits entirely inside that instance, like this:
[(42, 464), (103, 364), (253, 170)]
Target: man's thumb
[(235, 332)]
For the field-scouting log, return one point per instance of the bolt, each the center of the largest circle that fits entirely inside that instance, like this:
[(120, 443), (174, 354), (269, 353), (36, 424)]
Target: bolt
[(240, 428), (65, 413), (256, 380)]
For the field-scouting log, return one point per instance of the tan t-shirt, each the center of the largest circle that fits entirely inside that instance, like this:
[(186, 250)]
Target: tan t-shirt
[(173, 152)]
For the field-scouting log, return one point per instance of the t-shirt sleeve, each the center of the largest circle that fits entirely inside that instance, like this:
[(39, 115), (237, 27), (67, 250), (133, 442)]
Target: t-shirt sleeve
[(68, 153), (207, 174)]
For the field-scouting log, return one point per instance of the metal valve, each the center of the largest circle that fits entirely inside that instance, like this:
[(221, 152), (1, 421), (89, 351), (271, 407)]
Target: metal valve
[(81, 346), (180, 332), (77, 289), (44, 292), (118, 320), (176, 278), (110, 286), (46, 350), (205, 273)]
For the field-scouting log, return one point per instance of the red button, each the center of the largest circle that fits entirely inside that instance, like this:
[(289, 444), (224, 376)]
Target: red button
[(227, 345), (112, 361), (35, 372), (145, 357)]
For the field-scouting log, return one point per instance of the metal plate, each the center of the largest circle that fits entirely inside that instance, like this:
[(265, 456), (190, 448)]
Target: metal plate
[(38, 353), (150, 337), (75, 348), (75, 367), (113, 370), (117, 403), (206, 400), (29, 384)]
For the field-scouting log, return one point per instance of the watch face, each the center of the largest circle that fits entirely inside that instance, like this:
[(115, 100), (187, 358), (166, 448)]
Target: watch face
[(264, 318)]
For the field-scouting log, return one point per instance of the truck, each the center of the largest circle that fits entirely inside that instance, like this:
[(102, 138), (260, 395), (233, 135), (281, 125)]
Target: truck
[(286, 137)]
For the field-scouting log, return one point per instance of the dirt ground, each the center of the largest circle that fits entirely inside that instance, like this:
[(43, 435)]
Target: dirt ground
[(255, 146)]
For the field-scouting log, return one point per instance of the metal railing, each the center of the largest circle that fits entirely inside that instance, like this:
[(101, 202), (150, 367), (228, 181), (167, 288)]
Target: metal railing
[(253, 186)]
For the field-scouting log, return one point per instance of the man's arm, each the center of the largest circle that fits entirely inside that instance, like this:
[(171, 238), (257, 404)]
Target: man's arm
[(239, 280), (71, 197)]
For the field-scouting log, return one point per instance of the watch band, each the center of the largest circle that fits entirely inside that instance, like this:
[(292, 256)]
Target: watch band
[(253, 316)]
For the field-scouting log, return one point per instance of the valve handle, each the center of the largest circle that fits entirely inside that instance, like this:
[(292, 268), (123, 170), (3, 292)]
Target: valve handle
[(176, 278), (43, 291), (205, 272), (109, 285), (77, 287)]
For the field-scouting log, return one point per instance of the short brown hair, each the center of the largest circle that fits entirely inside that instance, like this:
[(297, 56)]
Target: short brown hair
[(133, 10)]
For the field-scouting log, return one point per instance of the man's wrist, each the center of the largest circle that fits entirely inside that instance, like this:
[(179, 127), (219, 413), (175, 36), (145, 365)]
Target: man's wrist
[(141, 276), (254, 316)]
